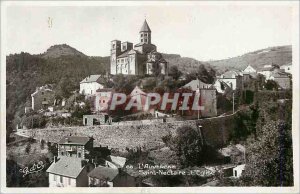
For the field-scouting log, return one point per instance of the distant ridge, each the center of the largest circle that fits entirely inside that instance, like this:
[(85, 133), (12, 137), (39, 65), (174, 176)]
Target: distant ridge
[(279, 55)]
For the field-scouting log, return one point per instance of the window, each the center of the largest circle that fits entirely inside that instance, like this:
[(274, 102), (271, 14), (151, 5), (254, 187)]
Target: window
[(141, 35), (124, 47), (54, 177), (42, 93), (79, 155), (146, 35), (235, 173), (114, 45), (146, 40), (44, 99), (69, 181), (142, 40), (61, 179), (62, 153)]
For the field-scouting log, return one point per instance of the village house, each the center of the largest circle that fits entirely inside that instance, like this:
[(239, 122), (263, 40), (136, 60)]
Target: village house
[(221, 87), (267, 70), (137, 94), (139, 59), (249, 69), (90, 84), (112, 174), (103, 99), (287, 68), (282, 79), (42, 98), (70, 168), (208, 97), (96, 119), (232, 78), (74, 146), (69, 172)]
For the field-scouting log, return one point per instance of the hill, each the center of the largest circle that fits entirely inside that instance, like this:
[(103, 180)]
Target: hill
[(61, 50), (279, 55), (184, 64)]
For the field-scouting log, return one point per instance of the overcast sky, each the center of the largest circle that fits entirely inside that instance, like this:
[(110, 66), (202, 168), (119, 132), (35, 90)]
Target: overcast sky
[(203, 32)]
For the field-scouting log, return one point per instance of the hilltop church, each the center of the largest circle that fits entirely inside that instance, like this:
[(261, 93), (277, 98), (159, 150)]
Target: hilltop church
[(142, 59)]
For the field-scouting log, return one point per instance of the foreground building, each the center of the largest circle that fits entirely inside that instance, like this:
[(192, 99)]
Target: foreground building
[(139, 59), (70, 168)]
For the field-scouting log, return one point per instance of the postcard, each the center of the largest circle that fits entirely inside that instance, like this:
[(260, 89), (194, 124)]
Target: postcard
[(149, 97)]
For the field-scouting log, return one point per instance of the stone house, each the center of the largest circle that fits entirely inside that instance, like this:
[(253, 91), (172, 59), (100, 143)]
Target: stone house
[(282, 79), (90, 84), (287, 68), (42, 98), (103, 176), (249, 69), (232, 78), (208, 97), (69, 172), (103, 99), (267, 70), (97, 119), (70, 168), (75, 146)]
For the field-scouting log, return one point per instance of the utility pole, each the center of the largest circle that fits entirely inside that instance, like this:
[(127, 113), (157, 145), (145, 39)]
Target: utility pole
[(233, 103)]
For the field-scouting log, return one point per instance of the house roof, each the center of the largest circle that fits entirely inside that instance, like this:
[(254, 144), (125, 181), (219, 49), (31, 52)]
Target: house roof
[(279, 75), (66, 166), (145, 27), (197, 84), (137, 91), (92, 78), (74, 140), (102, 172), (47, 87), (126, 53), (118, 161)]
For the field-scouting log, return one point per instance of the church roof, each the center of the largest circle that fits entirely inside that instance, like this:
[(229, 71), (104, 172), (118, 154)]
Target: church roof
[(126, 53), (145, 27)]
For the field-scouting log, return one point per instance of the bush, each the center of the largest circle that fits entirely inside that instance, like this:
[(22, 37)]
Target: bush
[(28, 148)]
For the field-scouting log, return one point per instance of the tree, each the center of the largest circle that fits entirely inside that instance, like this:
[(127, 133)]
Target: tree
[(271, 85), (28, 148), (207, 76), (174, 72), (42, 144), (269, 159), (191, 148)]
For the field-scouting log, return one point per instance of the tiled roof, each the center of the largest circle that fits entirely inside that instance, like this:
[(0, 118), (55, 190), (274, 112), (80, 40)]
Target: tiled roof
[(145, 27), (74, 140), (92, 78), (102, 172), (66, 166), (125, 54), (197, 84), (118, 161)]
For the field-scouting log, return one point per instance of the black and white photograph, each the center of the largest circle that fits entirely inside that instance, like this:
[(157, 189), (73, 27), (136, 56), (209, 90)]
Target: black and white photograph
[(142, 97)]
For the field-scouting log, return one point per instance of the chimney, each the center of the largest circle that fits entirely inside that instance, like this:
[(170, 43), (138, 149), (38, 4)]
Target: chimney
[(55, 159)]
